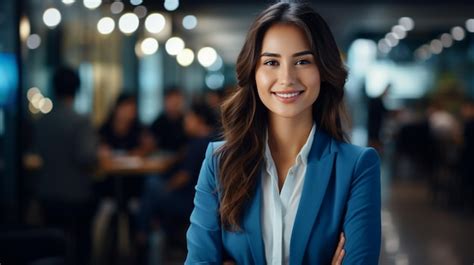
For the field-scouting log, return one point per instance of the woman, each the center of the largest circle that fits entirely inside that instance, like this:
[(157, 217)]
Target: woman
[(122, 132), (284, 184)]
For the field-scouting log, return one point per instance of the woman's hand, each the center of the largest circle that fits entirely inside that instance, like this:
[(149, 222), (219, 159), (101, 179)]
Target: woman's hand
[(339, 254)]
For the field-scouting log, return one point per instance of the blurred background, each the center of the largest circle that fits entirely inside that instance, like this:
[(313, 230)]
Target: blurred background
[(106, 108)]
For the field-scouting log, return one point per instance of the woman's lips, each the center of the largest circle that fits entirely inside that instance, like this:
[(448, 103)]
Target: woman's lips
[(287, 96)]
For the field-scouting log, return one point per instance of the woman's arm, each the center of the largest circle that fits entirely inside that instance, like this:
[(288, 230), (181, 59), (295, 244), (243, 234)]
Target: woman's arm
[(362, 222), (204, 234)]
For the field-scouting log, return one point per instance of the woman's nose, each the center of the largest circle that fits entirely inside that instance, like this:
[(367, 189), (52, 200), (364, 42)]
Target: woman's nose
[(287, 75)]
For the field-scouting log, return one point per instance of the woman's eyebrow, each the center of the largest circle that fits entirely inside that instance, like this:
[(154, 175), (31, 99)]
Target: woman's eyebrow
[(271, 54), (303, 53)]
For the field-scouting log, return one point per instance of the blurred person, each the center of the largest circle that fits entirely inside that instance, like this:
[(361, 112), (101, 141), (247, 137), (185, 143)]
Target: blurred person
[(375, 118), (68, 147), (214, 99), (446, 131), (414, 145), (170, 196), (123, 135), (443, 124), (168, 129), (285, 172), (122, 132)]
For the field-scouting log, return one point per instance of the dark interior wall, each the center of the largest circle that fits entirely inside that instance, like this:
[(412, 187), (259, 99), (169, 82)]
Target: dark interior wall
[(9, 111)]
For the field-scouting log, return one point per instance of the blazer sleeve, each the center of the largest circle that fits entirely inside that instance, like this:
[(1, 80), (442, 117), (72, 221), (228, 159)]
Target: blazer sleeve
[(204, 239), (362, 222)]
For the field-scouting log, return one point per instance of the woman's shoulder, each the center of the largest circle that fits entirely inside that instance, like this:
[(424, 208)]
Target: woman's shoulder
[(212, 152), (356, 159), (349, 147), (213, 147), (216, 144), (355, 152)]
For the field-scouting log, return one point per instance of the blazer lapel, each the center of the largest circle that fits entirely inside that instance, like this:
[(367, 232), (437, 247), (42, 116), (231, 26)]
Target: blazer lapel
[(318, 172), (252, 225)]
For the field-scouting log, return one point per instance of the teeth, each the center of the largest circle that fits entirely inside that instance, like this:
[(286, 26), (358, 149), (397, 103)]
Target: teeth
[(288, 95)]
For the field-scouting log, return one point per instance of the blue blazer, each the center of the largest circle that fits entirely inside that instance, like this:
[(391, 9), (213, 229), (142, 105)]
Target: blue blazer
[(341, 193)]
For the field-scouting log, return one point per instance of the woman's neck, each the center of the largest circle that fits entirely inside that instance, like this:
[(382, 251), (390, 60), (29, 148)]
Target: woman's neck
[(287, 136)]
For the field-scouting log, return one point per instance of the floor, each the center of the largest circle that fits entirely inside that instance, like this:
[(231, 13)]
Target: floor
[(415, 230)]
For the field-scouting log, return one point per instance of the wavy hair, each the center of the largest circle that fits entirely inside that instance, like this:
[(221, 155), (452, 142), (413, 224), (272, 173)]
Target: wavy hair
[(244, 117)]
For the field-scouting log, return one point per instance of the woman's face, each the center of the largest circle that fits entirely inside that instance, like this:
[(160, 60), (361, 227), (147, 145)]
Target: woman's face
[(191, 123), (287, 76), (126, 111)]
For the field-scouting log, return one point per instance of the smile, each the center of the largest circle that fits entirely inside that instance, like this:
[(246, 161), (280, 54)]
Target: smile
[(287, 95)]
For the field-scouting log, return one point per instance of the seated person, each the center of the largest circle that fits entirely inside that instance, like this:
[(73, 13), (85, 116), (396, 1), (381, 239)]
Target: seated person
[(122, 131), (172, 195), (168, 129), (122, 134)]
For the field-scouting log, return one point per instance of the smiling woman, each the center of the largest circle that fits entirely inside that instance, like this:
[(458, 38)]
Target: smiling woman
[(287, 75), (285, 187)]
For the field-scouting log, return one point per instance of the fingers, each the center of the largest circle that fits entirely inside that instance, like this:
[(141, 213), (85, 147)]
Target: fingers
[(339, 254)]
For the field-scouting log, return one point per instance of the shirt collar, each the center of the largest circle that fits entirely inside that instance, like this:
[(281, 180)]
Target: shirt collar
[(304, 152), (302, 156), (268, 155)]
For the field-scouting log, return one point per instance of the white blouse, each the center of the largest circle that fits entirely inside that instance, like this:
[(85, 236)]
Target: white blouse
[(279, 209)]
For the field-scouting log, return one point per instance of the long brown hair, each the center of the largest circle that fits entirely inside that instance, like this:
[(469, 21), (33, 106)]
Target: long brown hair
[(244, 117)]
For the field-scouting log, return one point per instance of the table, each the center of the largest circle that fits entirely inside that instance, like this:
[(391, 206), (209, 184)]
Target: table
[(119, 167), (123, 166)]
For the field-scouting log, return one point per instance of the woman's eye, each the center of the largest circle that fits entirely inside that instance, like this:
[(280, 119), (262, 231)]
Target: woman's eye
[(271, 63), (302, 62)]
